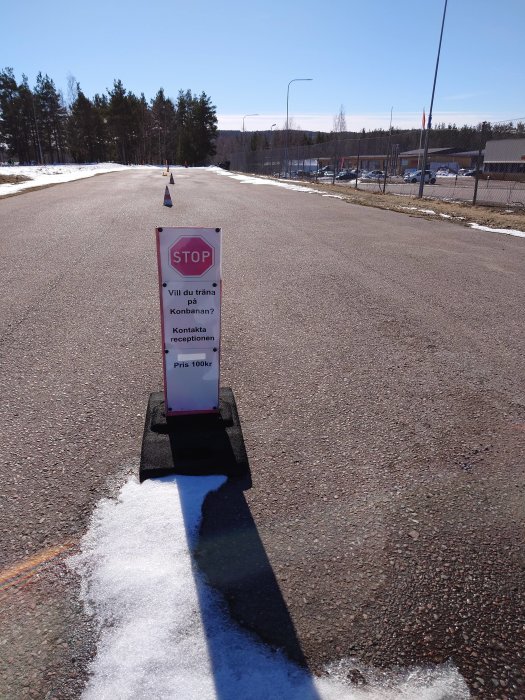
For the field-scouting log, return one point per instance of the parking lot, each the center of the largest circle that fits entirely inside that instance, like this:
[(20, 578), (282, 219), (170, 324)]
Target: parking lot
[(461, 188)]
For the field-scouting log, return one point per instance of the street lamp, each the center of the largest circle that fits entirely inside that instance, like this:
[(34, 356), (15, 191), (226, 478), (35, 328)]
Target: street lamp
[(246, 115), (294, 80)]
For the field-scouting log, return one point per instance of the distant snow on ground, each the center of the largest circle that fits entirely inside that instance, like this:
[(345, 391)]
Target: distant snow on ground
[(165, 634), (254, 180), (52, 174)]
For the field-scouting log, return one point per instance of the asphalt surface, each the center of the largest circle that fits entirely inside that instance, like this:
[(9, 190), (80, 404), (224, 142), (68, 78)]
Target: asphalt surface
[(377, 362)]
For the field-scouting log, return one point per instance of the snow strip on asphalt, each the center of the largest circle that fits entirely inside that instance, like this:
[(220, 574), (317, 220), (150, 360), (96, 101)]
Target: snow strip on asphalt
[(165, 634)]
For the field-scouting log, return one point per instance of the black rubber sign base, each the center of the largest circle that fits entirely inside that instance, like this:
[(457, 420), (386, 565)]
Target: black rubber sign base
[(200, 444)]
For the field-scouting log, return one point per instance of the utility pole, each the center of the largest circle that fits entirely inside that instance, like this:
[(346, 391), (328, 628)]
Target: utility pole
[(425, 152), (388, 151)]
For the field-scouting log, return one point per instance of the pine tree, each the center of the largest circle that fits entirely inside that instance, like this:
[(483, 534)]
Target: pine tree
[(18, 120), (103, 140), (9, 131), (50, 119), (163, 126), (83, 124), (196, 128), (123, 119)]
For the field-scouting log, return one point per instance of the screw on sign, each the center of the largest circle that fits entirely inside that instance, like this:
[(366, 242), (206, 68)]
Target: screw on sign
[(191, 256)]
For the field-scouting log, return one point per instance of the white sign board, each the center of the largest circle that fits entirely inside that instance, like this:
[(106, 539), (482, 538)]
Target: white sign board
[(189, 263)]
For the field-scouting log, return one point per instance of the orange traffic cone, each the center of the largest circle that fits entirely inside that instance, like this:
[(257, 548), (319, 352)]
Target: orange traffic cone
[(172, 181), (167, 198)]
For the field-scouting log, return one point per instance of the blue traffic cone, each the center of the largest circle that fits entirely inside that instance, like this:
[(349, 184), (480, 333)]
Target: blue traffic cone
[(167, 198)]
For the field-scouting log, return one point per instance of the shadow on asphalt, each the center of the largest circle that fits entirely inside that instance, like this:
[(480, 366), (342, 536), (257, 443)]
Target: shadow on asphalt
[(232, 557)]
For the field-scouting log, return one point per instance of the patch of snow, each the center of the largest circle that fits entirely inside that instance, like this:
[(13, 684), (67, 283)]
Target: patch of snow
[(423, 211), (254, 180), (53, 174), (508, 231), (165, 634)]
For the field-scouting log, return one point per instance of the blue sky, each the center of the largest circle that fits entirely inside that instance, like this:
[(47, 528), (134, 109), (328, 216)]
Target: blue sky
[(368, 56)]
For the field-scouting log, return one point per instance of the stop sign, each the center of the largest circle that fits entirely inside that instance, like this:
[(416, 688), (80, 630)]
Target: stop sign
[(191, 256)]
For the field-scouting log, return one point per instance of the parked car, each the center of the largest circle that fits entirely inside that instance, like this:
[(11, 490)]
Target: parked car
[(373, 175), (468, 172), (416, 177), (471, 173), (346, 175), (322, 171)]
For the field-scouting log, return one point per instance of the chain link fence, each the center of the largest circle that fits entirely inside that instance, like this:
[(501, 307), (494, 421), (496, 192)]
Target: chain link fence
[(492, 174)]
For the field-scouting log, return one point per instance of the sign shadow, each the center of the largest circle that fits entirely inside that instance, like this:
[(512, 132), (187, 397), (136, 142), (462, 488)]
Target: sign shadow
[(230, 557)]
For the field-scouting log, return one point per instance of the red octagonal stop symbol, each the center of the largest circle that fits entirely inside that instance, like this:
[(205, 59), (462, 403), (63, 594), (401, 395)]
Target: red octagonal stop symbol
[(191, 256)]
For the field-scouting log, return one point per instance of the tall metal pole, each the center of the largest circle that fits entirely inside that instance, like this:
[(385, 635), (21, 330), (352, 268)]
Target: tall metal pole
[(357, 165), (287, 124), (420, 140), (388, 151), (271, 148), (425, 152)]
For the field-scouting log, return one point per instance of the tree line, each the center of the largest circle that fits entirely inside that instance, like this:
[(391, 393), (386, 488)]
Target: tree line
[(37, 126), (442, 135)]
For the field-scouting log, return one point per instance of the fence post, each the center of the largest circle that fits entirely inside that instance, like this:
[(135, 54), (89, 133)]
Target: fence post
[(357, 165), (477, 176)]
